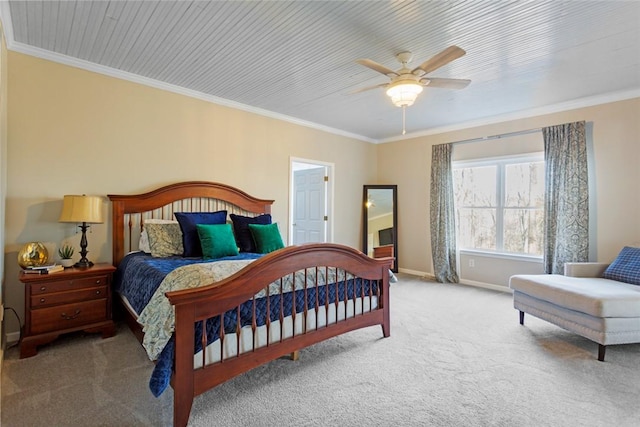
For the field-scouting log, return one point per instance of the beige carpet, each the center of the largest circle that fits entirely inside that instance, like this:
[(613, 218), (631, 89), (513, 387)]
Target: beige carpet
[(456, 357)]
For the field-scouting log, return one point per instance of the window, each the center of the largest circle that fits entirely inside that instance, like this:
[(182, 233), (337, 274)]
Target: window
[(500, 204)]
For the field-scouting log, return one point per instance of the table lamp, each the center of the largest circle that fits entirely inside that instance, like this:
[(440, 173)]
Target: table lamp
[(86, 210)]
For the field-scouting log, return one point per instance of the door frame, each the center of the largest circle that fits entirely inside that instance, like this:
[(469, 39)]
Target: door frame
[(294, 164)]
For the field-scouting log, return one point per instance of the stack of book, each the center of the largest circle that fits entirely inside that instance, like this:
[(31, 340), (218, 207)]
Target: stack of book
[(43, 269)]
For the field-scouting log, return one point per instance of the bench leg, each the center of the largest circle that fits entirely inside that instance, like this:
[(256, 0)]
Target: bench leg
[(601, 350), (522, 317)]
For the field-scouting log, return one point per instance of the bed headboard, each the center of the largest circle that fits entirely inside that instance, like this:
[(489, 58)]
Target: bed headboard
[(129, 211)]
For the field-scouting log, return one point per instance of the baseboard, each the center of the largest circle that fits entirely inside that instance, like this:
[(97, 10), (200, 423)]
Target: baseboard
[(486, 286), (414, 272), (429, 276), (12, 338)]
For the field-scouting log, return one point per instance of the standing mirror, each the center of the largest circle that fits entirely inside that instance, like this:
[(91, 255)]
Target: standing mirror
[(380, 222)]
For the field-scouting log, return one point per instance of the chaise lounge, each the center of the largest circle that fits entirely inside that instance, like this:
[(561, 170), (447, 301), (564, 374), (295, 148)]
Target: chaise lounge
[(598, 301)]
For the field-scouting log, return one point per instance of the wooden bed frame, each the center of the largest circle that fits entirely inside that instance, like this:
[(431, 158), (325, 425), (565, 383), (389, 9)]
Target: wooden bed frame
[(197, 305)]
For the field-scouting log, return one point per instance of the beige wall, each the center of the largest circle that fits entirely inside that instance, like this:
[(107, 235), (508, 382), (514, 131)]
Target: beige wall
[(76, 132), (616, 154)]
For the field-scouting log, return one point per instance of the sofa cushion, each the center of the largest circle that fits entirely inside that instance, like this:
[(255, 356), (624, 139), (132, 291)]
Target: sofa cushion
[(603, 330), (626, 266), (595, 296)]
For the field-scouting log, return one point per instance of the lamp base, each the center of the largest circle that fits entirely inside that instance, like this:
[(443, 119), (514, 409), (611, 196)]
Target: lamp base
[(83, 263)]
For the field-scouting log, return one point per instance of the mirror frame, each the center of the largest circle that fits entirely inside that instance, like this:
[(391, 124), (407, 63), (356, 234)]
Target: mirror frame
[(365, 219)]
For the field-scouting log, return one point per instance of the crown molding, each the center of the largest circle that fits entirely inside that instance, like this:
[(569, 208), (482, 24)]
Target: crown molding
[(7, 24), (524, 114), (123, 75)]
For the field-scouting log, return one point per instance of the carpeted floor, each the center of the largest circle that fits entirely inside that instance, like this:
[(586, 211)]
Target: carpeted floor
[(456, 357)]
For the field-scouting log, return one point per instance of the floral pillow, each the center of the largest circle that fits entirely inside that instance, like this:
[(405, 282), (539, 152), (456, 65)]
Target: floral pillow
[(165, 239), (143, 243)]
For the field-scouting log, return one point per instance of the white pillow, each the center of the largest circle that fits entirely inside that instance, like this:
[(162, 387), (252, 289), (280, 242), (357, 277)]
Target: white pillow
[(143, 243)]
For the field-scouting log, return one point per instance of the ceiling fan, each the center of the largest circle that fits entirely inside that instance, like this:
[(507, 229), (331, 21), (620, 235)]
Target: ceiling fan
[(406, 84)]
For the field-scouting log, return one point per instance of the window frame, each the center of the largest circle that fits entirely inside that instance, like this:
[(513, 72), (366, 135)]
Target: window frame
[(500, 191)]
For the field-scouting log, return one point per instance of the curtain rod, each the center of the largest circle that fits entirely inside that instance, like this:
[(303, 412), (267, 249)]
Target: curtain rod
[(502, 135)]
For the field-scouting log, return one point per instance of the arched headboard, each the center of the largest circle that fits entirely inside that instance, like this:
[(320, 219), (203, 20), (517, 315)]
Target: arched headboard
[(129, 211)]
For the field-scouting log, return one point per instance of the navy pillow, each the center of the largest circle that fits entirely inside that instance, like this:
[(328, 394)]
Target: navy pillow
[(626, 266), (244, 239), (188, 222)]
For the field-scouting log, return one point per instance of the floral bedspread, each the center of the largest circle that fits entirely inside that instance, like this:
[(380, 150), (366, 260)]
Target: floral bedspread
[(158, 317)]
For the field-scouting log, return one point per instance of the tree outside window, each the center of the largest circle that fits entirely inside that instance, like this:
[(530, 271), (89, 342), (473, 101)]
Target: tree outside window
[(500, 204)]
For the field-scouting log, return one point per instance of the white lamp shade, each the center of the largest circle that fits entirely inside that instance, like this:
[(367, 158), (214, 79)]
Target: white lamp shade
[(81, 209), (404, 93)]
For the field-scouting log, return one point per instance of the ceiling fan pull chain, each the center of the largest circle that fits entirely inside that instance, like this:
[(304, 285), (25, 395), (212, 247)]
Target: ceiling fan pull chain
[(404, 110)]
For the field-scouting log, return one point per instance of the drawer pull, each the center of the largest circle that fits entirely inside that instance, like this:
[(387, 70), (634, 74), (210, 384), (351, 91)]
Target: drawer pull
[(41, 299), (97, 292), (76, 314), (43, 288), (98, 281)]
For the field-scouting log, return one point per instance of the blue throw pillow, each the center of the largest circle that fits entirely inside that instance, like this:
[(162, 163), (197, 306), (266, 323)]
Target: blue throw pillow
[(188, 222), (241, 230), (626, 266)]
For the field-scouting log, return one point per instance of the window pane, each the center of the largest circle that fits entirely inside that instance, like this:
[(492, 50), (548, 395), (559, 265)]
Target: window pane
[(500, 203), (524, 186), (475, 187), (523, 231), (477, 228)]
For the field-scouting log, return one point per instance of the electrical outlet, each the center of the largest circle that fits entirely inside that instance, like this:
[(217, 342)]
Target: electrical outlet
[(472, 263)]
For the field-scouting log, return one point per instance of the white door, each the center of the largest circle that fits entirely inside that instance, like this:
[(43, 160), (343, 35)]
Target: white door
[(309, 210)]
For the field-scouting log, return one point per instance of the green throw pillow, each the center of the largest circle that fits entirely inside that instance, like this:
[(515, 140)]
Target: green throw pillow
[(267, 237), (217, 240)]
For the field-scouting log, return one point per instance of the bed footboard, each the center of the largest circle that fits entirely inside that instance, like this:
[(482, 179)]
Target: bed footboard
[(302, 310)]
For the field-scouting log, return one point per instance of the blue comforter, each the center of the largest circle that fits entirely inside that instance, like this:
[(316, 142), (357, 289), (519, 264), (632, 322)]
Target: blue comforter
[(139, 275)]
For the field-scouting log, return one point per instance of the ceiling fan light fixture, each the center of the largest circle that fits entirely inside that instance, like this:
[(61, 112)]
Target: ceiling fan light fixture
[(404, 93)]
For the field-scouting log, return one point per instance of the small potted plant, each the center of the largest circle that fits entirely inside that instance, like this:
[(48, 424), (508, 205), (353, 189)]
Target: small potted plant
[(66, 252)]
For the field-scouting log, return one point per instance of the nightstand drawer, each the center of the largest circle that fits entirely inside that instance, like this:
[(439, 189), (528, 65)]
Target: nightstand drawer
[(68, 297), (67, 316), (67, 285)]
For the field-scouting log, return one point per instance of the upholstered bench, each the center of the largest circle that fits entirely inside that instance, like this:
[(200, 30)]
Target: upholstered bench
[(587, 300)]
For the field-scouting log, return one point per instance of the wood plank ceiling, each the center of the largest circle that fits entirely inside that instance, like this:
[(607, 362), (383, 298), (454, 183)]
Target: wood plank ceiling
[(297, 59)]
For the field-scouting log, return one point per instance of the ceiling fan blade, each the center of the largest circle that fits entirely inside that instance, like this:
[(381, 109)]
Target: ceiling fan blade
[(364, 89), (439, 60), (377, 67), (446, 83)]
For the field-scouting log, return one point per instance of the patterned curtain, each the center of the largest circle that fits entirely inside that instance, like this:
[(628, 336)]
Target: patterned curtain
[(443, 233), (566, 219)]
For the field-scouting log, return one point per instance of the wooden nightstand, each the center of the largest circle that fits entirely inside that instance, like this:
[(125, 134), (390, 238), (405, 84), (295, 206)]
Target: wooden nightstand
[(66, 301), (383, 252)]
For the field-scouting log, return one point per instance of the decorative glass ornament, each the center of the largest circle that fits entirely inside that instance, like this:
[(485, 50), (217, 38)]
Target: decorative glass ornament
[(33, 254)]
